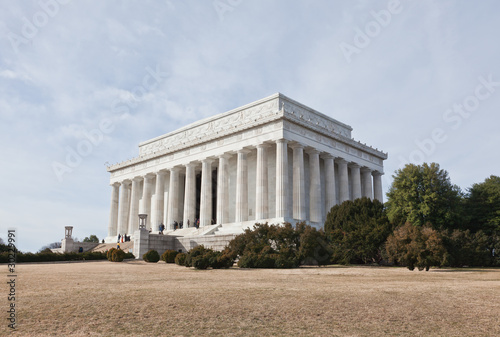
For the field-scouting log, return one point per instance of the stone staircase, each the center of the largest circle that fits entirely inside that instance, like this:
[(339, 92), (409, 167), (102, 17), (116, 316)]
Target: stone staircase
[(102, 247), (192, 231), (233, 228)]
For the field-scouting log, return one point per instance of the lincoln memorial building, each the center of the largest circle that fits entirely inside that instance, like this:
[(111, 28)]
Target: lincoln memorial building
[(274, 160)]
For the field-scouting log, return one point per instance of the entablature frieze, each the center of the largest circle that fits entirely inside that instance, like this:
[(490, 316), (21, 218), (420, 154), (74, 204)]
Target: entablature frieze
[(276, 113), (348, 146)]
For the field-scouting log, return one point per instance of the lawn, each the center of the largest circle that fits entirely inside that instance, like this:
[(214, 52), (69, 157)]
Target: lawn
[(134, 298)]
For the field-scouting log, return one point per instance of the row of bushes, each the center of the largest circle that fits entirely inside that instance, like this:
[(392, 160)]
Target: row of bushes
[(198, 257), (423, 247), (48, 256), (264, 246)]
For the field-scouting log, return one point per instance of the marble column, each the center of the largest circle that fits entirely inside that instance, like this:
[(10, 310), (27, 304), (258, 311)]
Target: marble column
[(331, 199), (190, 196), (377, 186), (356, 181), (281, 178), (133, 220), (223, 190), (343, 181), (206, 193), (173, 198), (123, 208), (146, 198), (299, 193), (113, 215), (261, 189), (159, 198), (242, 186), (366, 180), (314, 187)]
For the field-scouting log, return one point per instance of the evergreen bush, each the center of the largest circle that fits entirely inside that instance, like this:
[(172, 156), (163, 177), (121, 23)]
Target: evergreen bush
[(169, 256), (117, 255), (180, 259), (109, 253), (151, 256)]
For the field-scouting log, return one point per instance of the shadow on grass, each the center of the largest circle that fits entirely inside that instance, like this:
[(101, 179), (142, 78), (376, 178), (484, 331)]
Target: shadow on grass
[(467, 269)]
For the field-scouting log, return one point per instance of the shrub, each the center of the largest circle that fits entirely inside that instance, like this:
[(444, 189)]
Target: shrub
[(357, 231), (220, 260), (271, 246), (413, 246), (253, 260), (49, 256), (225, 259), (248, 260), (202, 261), (196, 251), (94, 256), (151, 256), (314, 248), (169, 256), (468, 249), (117, 255), (109, 253), (204, 258), (180, 259)]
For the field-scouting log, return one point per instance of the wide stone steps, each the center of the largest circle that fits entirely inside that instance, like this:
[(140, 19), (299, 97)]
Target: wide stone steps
[(192, 231), (125, 246)]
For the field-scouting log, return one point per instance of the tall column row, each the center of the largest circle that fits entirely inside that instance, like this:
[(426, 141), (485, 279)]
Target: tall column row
[(354, 181)]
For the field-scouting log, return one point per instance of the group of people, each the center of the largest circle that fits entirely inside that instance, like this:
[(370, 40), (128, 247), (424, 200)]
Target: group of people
[(123, 238), (176, 225)]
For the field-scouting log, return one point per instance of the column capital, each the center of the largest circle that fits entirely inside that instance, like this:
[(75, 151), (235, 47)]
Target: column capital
[(191, 164), (225, 156), (365, 169), (354, 165), (175, 169), (327, 156), (377, 173), (138, 178), (296, 145), (311, 151), (340, 161), (244, 151), (281, 140), (126, 182), (207, 161), (149, 175), (160, 172), (115, 184), (262, 146)]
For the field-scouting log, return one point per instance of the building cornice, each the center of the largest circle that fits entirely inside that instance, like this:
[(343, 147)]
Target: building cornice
[(264, 111)]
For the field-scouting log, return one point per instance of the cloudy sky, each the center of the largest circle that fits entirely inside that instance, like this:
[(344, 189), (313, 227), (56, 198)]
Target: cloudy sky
[(82, 83)]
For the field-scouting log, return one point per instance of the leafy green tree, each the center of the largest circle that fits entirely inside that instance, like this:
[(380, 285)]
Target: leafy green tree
[(3, 246), (415, 246), (422, 194), (469, 249), (314, 247), (52, 245), (482, 206), (357, 230), (92, 238)]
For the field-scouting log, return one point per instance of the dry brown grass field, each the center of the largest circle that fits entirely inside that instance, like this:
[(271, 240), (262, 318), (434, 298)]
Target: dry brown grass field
[(134, 298)]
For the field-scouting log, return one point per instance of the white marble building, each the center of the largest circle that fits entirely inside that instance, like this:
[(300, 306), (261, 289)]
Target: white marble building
[(272, 160)]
